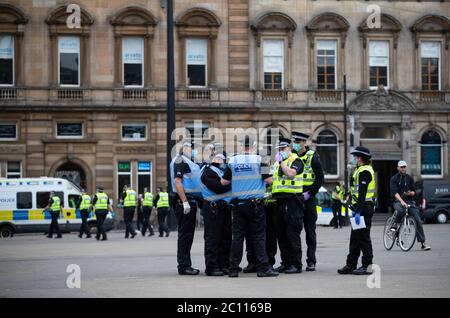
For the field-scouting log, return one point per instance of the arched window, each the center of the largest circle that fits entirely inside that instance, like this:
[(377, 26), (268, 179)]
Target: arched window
[(327, 148), (431, 154)]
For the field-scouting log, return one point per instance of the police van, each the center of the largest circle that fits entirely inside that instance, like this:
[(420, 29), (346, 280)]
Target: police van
[(324, 207), (22, 203)]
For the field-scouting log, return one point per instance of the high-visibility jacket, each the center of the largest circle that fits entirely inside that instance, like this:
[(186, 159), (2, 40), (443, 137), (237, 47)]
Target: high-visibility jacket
[(191, 180), (130, 199), (102, 201), (148, 199), (339, 193), (268, 196), (163, 201), (246, 181), (281, 183), (85, 202), (209, 195), (355, 184), (308, 174), (56, 205)]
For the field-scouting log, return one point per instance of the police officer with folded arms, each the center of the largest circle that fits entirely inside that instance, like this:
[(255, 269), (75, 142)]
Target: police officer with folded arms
[(313, 179), (84, 207), (54, 205), (129, 202), (101, 206), (287, 186), (162, 203), (147, 206), (362, 191), (185, 177), (248, 177), (217, 216)]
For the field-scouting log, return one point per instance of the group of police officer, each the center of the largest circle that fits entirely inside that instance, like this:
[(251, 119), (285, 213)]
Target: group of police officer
[(246, 198)]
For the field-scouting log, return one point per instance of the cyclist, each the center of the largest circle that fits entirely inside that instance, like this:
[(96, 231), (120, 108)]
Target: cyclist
[(402, 192)]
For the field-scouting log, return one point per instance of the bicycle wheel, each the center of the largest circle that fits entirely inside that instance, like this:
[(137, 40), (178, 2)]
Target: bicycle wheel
[(407, 234), (388, 235)]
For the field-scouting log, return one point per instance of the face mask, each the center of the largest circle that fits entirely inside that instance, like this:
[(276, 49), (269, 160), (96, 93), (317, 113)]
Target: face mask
[(284, 155), (297, 147), (194, 153), (353, 161)]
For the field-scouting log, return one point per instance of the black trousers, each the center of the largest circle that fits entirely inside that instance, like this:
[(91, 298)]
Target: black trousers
[(162, 215), (186, 230), (337, 216), (140, 218), (54, 226), (309, 222), (271, 236), (360, 240), (128, 214), (415, 213), (252, 218), (84, 228), (290, 218), (101, 216), (146, 211), (217, 235)]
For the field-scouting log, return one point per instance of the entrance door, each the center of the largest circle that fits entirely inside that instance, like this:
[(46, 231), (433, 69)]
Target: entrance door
[(384, 170), (72, 172)]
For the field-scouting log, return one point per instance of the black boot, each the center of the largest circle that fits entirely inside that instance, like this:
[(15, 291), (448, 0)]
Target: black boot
[(345, 270)]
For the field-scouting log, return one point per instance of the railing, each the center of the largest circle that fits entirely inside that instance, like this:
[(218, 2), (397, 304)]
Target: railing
[(198, 94), (273, 95), (70, 93), (327, 96), (134, 94), (8, 93), (432, 96)]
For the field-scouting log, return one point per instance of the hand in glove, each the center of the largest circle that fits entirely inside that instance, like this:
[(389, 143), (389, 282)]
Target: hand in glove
[(186, 207), (357, 218), (306, 195), (278, 157)]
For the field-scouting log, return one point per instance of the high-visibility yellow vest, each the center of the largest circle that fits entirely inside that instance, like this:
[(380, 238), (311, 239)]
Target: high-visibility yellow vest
[(102, 201), (308, 174), (56, 205), (281, 184), (339, 192), (355, 184), (85, 202), (148, 199), (268, 197), (130, 199), (163, 201)]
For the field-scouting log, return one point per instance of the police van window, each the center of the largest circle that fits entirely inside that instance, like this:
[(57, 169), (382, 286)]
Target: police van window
[(24, 200), (73, 200), (42, 199)]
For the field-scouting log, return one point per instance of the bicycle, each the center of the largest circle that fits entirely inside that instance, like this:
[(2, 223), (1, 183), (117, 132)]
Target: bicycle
[(404, 235)]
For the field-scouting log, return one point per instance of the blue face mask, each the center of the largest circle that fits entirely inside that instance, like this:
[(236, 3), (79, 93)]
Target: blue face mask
[(296, 147), (194, 153), (353, 161)]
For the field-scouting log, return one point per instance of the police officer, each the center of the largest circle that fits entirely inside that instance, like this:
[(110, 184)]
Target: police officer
[(217, 216), (362, 190), (313, 179), (337, 198), (140, 213), (101, 205), (247, 177), (162, 203), (185, 177), (147, 206), (54, 204), (84, 207), (287, 186), (129, 202)]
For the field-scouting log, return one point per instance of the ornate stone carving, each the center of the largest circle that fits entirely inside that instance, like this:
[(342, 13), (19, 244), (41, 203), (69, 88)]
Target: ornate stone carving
[(382, 100)]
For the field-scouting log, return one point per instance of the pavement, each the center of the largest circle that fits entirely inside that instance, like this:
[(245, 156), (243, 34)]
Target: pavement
[(34, 266)]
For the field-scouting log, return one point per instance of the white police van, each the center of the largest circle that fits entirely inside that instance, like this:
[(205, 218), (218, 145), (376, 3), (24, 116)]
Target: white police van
[(324, 208), (22, 203)]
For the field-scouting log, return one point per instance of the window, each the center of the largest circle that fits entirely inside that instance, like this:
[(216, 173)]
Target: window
[(69, 61), (431, 154), (7, 60), (134, 131), (123, 175), (273, 64), (377, 133), (133, 61), (13, 169), (430, 53), (326, 64), (73, 200), (197, 130), (327, 148), (196, 57), (378, 63), (144, 176), (69, 130), (8, 131), (42, 199), (24, 200)]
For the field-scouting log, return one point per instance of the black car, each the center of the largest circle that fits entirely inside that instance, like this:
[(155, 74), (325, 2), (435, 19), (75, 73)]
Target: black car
[(433, 197)]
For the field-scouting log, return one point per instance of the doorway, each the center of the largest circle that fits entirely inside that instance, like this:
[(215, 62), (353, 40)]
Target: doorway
[(72, 172), (384, 170)]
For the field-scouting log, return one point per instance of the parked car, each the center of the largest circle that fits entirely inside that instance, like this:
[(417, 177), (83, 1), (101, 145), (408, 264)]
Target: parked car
[(433, 197)]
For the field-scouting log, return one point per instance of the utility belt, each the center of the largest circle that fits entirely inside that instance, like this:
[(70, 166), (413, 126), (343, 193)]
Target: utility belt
[(251, 203)]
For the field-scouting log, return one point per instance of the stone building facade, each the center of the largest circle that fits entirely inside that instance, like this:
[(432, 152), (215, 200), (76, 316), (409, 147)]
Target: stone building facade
[(88, 103)]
